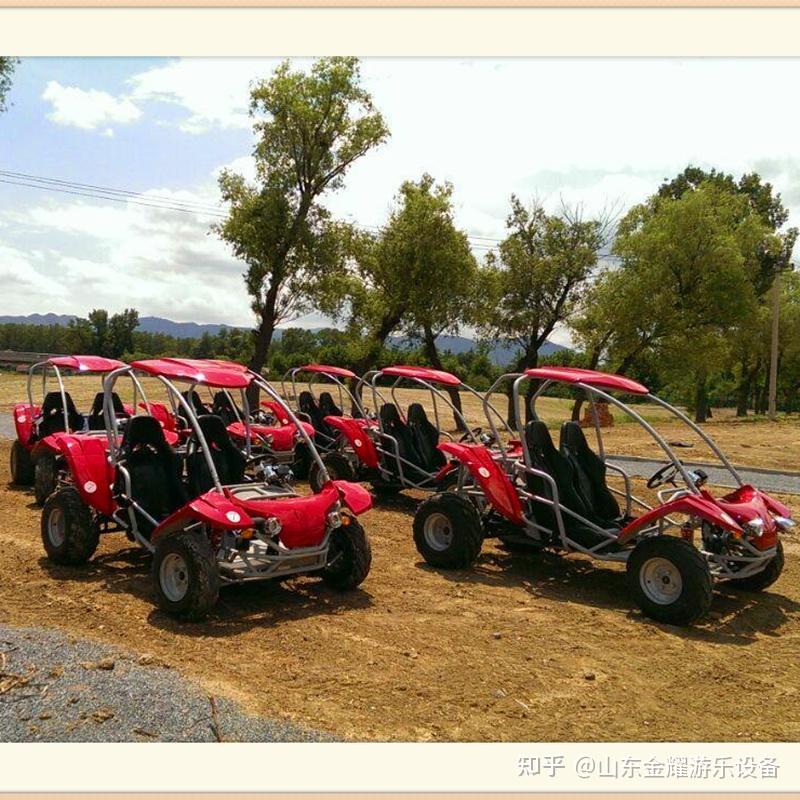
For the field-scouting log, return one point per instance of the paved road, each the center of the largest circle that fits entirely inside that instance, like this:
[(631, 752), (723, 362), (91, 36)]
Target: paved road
[(6, 426), (55, 688), (769, 481)]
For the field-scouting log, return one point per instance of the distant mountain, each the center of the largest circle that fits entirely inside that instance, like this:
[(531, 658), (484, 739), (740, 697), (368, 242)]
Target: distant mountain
[(501, 353), (38, 319)]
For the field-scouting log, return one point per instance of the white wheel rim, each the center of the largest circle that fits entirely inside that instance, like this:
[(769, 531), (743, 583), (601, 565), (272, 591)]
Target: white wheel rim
[(173, 575), (438, 532), (56, 527), (661, 581)]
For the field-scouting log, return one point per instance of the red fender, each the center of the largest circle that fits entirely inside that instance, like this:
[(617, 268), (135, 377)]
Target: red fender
[(24, 415), (354, 496), (283, 436), (688, 504), (355, 431), (277, 410), (162, 414), (93, 476), (490, 477), (212, 508), (50, 444)]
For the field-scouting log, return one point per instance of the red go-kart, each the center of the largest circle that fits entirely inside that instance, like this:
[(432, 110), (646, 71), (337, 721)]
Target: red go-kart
[(35, 452), (194, 508), (535, 494)]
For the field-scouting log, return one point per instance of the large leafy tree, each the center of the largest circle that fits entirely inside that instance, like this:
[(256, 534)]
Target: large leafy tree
[(418, 276), (749, 352), (311, 128), (536, 278), (687, 277)]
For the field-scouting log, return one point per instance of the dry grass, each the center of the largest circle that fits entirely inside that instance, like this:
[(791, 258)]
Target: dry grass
[(499, 652)]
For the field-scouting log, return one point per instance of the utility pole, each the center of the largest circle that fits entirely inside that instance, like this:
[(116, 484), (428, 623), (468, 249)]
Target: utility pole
[(773, 359)]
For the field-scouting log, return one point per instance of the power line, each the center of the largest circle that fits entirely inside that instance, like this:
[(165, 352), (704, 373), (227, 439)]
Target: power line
[(146, 200)]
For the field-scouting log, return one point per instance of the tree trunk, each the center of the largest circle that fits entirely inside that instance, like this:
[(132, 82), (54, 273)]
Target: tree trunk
[(743, 391), (528, 360), (263, 337), (387, 324), (432, 354), (700, 399), (594, 360)]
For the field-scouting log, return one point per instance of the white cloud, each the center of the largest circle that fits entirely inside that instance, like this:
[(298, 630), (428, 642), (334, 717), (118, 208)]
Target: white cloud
[(214, 92), (88, 109)]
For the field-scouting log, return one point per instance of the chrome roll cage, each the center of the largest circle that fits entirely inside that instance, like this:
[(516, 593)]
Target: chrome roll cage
[(178, 401), (291, 394), (45, 366)]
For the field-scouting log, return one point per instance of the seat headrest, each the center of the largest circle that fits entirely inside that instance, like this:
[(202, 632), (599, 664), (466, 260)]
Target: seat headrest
[(538, 438), (573, 438), (52, 402), (214, 431), (143, 430), (306, 400), (222, 400), (417, 415), (389, 414)]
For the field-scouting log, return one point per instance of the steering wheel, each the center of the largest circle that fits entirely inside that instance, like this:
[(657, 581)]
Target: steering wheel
[(664, 475), (473, 434)]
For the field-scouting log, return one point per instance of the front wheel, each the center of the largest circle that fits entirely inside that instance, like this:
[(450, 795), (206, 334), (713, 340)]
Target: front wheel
[(185, 575), (767, 576), (338, 467), (69, 533), (349, 556), (45, 477), (670, 580), (21, 465), (448, 531)]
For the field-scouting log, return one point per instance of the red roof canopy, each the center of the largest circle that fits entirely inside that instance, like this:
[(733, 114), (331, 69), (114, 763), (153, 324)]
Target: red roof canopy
[(603, 380), (423, 373), (208, 372), (340, 372), (86, 363)]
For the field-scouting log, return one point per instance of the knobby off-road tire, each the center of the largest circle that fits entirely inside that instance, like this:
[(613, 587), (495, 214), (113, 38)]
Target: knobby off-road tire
[(670, 580), (448, 531), (349, 557), (767, 576), (45, 477), (21, 465), (185, 575), (69, 533), (338, 467)]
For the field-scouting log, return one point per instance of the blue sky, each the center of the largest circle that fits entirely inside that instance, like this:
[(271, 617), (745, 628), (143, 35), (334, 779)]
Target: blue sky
[(602, 133)]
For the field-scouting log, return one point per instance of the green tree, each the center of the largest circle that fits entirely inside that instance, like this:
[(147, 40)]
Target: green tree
[(311, 128), (748, 353), (7, 66), (686, 278), (537, 275)]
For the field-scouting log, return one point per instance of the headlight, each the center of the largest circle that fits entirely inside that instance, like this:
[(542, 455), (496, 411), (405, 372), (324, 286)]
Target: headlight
[(755, 527), (785, 523), (273, 526), (334, 519)]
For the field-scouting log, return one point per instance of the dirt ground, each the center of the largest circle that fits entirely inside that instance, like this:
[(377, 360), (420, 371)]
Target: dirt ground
[(522, 648)]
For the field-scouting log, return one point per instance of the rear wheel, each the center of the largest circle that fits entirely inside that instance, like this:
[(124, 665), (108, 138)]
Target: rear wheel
[(45, 477), (448, 531), (670, 580), (767, 576), (338, 466), (185, 575), (21, 465), (349, 556), (69, 533)]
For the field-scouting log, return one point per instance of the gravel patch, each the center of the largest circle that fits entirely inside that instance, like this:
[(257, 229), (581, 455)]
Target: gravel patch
[(56, 688)]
